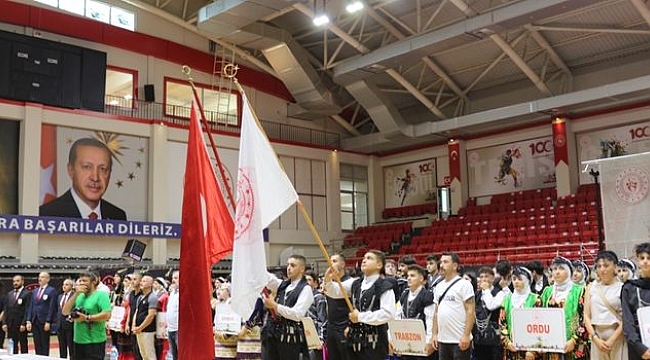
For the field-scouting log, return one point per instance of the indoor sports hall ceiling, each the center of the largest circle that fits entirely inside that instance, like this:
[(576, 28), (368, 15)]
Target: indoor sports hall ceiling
[(401, 73)]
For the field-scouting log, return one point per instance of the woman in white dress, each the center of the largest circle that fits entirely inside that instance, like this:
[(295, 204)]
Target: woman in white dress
[(603, 313)]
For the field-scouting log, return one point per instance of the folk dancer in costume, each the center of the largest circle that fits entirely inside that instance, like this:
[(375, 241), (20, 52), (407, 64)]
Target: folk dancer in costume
[(603, 313), (249, 344), (318, 313), (337, 317), (416, 302), (225, 344), (634, 295), (522, 298), (374, 305), (569, 296), (488, 300), (283, 336)]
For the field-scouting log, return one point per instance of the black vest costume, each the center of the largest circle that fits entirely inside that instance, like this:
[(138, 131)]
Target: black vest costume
[(281, 329), (415, 308), (487, 322), (337, 312), (364, 335)]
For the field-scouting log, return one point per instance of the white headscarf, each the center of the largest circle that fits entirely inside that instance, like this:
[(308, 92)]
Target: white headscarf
[(519, 296), (561, 291)]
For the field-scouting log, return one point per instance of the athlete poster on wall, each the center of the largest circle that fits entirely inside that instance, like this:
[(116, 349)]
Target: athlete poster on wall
[(124, 186), (518, 166), (410, 184), (613, 142)]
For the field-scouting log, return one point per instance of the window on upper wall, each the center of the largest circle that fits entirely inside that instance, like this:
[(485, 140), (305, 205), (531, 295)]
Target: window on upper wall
[(354, 196), (219, 106), (121, 85), (96, 10)]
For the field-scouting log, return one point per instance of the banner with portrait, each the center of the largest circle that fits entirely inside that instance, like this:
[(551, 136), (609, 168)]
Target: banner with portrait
[(612, 142), (108, 168), (9, 148), (518, 166), (410, 184), (625, 183)]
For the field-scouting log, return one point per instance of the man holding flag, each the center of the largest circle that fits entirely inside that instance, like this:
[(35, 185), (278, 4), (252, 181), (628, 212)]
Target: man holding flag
[(283, 336), (263, 193)]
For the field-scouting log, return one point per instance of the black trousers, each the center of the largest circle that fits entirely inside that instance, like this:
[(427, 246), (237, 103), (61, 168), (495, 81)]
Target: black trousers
[(94, 351), (66, 336), (19, 338), (488, 352), (337, 346), (41, 338), (272, 349), (453, 352)]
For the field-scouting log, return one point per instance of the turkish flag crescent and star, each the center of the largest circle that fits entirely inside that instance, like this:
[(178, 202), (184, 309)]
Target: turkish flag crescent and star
[(206, 237)]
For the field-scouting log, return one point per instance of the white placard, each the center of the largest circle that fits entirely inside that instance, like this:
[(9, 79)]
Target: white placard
[(643, 314), (408, 337), (161, 325), (117, 315), (226, 320), (539, 329), (311, 335)]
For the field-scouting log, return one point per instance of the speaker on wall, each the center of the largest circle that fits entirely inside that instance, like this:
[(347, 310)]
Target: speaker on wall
[(149, 94), (134, 250)]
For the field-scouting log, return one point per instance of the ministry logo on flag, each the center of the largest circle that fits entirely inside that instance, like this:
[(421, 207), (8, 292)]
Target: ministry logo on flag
[(245, 204)]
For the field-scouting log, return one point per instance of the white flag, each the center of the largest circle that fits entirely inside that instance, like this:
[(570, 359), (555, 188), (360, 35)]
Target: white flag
[(263, 193)]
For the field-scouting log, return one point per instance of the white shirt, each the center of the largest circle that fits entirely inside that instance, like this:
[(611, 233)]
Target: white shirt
[(84, 209), (386, 311), (493, 302), (452, 316), (305, 299), (429, 311), (172, 311)]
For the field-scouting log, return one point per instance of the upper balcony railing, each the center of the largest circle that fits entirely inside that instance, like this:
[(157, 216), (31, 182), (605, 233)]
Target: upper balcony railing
[(180, 115)]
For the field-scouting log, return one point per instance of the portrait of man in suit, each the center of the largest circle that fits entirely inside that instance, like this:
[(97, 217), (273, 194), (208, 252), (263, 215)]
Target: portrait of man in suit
[(89, 167)]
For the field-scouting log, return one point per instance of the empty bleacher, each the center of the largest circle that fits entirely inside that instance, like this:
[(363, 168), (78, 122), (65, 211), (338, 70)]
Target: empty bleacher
[(377, 236), (518, 226)]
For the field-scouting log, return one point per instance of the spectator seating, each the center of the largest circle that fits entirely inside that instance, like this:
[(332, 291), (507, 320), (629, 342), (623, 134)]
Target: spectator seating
[(377, 236), (519, 226), (410, 211)]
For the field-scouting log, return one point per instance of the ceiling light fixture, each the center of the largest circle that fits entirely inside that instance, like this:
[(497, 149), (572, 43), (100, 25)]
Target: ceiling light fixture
[(354, 6), (321, 17)]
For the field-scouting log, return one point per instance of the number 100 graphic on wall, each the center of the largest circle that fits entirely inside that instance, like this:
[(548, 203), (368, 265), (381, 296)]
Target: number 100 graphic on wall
[(410, 184)]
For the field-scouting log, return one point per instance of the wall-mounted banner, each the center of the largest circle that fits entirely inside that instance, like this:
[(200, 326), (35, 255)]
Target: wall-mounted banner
[(618, 141), (72, 226), (523, 165), (410, 184), (9, 140), (109, 169)]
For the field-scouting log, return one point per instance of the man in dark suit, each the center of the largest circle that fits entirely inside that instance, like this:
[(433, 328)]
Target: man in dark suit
[(15, 315), (65, 324), (89, 166), (41, 314)]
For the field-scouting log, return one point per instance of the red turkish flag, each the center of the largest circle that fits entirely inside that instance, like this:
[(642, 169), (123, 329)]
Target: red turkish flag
[(206, 237)]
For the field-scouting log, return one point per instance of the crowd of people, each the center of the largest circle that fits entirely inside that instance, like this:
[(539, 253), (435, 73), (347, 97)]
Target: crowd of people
[(466, 314)]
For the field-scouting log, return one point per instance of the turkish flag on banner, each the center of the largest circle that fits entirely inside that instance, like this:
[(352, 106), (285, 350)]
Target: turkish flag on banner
[(206, 237), (48, 163)]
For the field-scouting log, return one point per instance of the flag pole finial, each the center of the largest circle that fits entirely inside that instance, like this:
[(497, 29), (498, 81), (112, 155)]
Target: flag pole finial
[(187, 71), (230, 71)]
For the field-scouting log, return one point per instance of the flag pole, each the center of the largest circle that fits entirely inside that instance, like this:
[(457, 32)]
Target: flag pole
[(188, 71), (314, 232), (337, 276)]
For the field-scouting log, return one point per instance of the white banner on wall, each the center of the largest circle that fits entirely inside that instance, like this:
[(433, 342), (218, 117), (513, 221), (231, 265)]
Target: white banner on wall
[(410, 184), (523, 165), (625, 183), (623, 140)]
